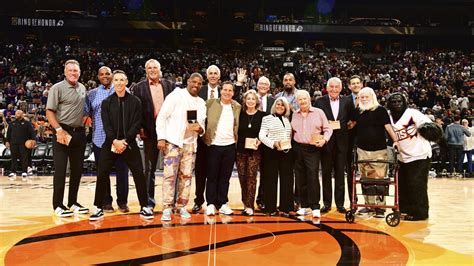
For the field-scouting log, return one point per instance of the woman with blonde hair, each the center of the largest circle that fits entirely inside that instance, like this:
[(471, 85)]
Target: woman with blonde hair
[(275, 134), (248, 149)]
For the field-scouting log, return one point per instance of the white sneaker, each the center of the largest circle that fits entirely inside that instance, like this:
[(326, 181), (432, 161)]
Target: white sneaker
[(211, 209), (24, 176), (225, 209), (249, 211), (184, 213), (303, 211), (62, 212), (316, 213), (78, 208), (166, 216), (12, 176)]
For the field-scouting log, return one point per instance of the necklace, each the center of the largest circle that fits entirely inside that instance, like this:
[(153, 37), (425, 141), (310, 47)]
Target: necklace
[(250, 118)]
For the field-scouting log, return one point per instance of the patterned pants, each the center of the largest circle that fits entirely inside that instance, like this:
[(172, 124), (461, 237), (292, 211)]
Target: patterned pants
[(178, 164), (373, 170), (248, 162)]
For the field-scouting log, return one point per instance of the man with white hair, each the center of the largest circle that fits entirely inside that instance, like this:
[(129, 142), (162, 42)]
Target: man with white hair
[(372, 121), (209, 91), (338, 111), (266, 102), (152, 92)]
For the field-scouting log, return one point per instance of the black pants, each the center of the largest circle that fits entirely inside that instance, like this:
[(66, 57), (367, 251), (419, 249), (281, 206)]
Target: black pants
[(307, 159), (132, 158), (200, 172), (413, 188), (75, 154), (121, 173), (333, 160), (220, 162), (19, 152), (151, 158), (278, 164), (261, 192)]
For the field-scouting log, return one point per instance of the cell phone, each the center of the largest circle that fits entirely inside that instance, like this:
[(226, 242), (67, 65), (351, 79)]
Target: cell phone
[(192, 116)]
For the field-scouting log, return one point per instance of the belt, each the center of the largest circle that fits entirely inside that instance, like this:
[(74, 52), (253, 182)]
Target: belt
[(70, 128)]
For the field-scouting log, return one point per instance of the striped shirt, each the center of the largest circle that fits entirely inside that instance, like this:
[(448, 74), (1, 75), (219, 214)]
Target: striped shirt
[(273, 130), (93, 109)]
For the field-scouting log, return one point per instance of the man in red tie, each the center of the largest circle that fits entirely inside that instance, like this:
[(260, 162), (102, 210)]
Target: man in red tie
[(152, 92)]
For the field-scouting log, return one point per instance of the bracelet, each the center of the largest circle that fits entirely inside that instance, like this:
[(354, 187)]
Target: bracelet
[(58, 129)]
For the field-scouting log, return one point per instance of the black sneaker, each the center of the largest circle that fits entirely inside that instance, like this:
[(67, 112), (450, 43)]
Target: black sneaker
[(97, 214), (146, 213), (379, 213), (78, 208), (63, 212)]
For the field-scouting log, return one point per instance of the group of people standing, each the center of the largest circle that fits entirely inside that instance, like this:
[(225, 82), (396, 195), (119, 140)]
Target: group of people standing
[(207, 129)]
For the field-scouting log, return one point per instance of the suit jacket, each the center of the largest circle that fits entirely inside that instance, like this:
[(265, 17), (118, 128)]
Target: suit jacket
[(142, 91), (204, 95), (339, 139), (270, 101)]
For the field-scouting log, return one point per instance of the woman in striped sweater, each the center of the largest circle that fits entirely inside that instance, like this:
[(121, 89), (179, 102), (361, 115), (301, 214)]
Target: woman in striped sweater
[(275, 134)]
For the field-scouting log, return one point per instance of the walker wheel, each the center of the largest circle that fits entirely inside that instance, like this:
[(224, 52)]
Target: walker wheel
[(393, 219), (350, 217)]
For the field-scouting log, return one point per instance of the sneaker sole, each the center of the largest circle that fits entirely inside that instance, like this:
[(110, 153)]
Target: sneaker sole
[(81, 212), (146, 217), (96, 218), (64, 215)]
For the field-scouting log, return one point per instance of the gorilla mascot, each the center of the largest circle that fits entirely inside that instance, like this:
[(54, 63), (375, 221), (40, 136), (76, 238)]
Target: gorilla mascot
[(414, 131)]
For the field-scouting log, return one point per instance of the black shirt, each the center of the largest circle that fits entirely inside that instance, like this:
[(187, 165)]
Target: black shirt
[(255, 122), (121, 130), (371, 129)]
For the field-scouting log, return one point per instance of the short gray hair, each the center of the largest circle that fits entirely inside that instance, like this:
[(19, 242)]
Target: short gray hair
[(338, 80), (284, 101), (213, 67), (153, 61)]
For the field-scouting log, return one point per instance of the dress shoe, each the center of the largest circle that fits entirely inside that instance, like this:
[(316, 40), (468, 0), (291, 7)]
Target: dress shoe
[(272, 213), (196, 208), (325, 209), (341, 209), (261, 207)]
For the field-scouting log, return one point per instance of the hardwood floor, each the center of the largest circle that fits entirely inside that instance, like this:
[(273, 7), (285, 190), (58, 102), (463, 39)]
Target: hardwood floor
[(31, 235)]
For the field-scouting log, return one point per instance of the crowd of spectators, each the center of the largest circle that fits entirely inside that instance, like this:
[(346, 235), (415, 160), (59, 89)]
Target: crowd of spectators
[(439, 83)]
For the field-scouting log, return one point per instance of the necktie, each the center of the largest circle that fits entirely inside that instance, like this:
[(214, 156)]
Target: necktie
[(212, 94), (260, 107)]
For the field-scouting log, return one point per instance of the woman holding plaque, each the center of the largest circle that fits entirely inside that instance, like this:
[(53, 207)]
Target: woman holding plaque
[(311, 132), (275, 134), (248, 149)]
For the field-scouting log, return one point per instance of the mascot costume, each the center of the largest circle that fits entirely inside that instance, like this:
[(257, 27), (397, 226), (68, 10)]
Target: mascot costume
[(414, 131)]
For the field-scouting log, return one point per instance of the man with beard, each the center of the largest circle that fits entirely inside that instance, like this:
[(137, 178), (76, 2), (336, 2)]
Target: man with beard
[(414, 132), (209, 91), (289, 91), (152, 92), (372, 123), (177, 133)]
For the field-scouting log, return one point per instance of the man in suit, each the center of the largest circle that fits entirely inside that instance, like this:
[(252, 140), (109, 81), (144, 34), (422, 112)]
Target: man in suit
[(209, 91), (338, 110), (266, 101), (355, 85), (152, 92)]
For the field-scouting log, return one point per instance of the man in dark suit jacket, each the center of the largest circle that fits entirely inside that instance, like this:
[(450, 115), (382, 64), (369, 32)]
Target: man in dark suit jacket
[(266, 101), (338, 110), (152, 92), (355, 85), (209, 91)]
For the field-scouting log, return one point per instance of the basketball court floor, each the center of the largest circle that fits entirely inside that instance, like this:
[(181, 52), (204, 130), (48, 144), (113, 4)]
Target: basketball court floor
[(31, 235)]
